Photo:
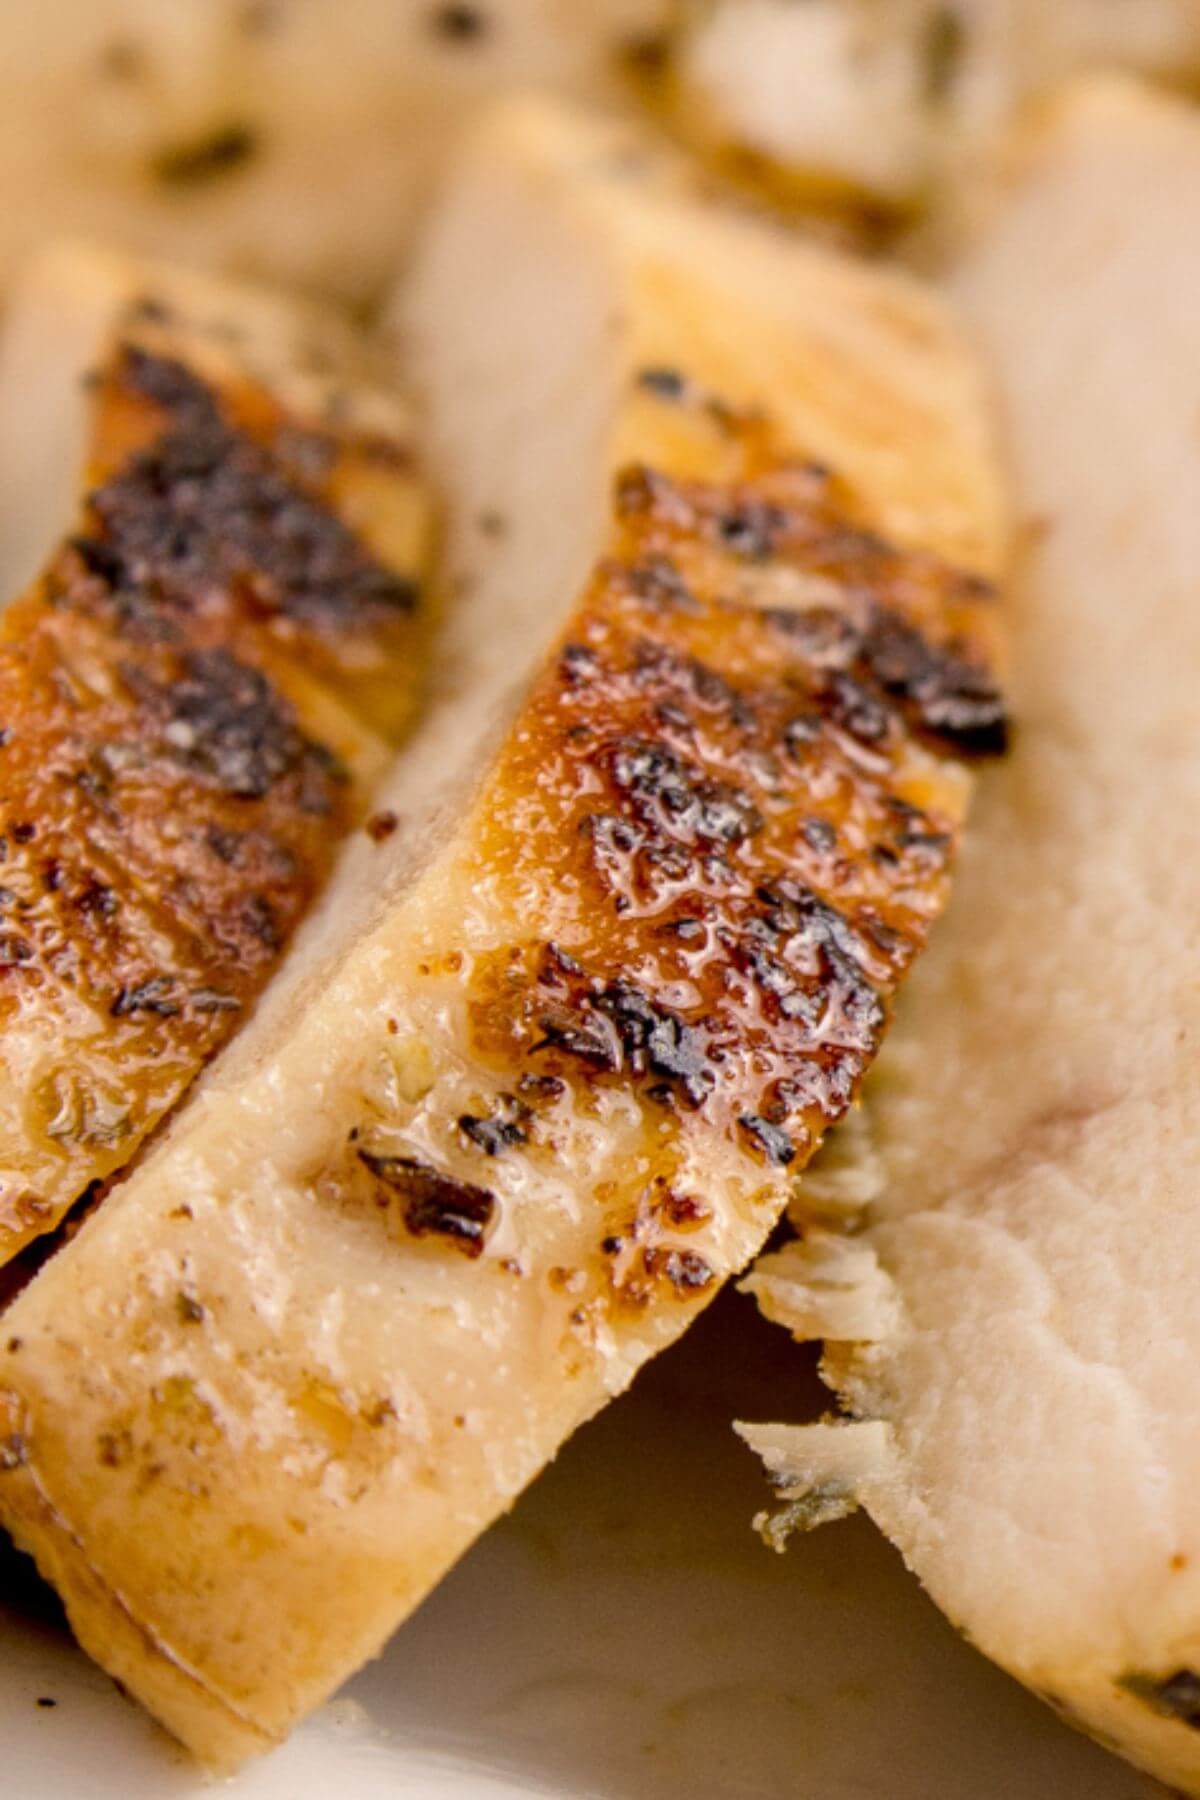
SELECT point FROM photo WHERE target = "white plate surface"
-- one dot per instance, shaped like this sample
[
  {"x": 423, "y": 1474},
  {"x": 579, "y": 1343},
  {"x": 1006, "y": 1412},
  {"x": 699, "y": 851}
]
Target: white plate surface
[{"x": 622, "y": 1636}]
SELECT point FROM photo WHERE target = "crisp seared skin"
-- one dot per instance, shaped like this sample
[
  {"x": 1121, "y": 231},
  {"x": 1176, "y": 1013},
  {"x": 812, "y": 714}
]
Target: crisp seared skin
[{"x": 177, "y": 757}]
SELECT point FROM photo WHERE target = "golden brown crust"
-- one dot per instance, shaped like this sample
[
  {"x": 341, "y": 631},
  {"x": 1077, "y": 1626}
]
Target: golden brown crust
[
  {"x": 567, "y": 1082},
  {"x": 731, "y": 803},
  {"x": 227, "y": 504},
  {"x": 717, "y": 787},
  {"x": 170, "y": 794}
]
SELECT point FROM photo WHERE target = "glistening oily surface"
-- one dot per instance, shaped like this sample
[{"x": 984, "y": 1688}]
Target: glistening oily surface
[
  {"x": 509, "y": 1139},
  {"x": 1034, "y": 1215},
  {"x": 179, "y": 752},
  {"x": 622, "y": 1636}
]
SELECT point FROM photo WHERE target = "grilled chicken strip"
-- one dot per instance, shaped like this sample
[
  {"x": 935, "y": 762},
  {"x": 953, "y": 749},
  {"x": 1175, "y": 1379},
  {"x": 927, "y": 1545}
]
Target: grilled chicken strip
[
  {"x": 291, "y": 139},
  {"x": 191, "y": 691},
  {"x": 725, "y": 514},
  {"x": 861, "y": 104},
  {"x": 1024, "y": 1299}
]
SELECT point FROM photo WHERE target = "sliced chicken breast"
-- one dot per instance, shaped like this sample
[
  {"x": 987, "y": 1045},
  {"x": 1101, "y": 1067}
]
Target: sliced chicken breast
[
  {"x": 861, "y": 102},
  {"x": 725, "y": 519},
  {"x": 1015, "y": 1331},
  {"x": 294, "y": 139},
  {"x": 189, "y": 689}
]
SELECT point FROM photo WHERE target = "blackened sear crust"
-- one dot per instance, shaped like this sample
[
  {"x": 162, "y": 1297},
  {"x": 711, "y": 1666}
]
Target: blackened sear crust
[
  {"x": 205, "y": 506},
  {"x": 616, "y": 1025},
  {"x": 675, "y": 792},
  {"x": 167, "y": 811},
  {"x": 503, "y": 1127},
  {"x": 771, "y": 1139},
  {"x": 224, "y": 719},
  {"x": 896, "y": 625},
  {"x": 433, "y": 1202},
  {"x": 949, "y": 696},
  {"x": 728, "y": 781},
  {"x": 1175, "y": 1696}
]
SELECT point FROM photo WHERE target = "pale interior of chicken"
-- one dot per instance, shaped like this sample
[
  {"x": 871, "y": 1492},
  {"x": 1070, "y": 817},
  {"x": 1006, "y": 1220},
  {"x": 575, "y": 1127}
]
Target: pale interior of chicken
[{"x": 1033, "y": 1247}]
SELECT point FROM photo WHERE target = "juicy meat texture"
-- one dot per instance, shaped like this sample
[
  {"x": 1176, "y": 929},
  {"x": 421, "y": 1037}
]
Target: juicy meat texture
[
  {"x": 1018, "y": 1335},
  {"x": 179, "y": 748},
  {"x": 505, "y": 1127}
]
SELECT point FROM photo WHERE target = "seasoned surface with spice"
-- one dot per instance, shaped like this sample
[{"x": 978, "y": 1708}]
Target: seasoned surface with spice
[
  {"x": 178, "y": 758},
  {"x": 640, "y": 892},
  {"x": 735, "y": 809}
]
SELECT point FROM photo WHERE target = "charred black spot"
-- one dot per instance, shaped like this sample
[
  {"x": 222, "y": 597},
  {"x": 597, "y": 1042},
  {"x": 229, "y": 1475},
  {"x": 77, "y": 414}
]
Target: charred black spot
[
  {"x": 223, "y": 719},
  {"x": 772, "y": 1140},
  {"x": 1177, "y": 1696},
  {"x": 557, "y": 962},
  {"x": 505, "y": 1127},
  {"x": 258, "y": 916},
  {"x": 688, "y": 931},
  {"x": 677, "y": 794},
  {"x": 433, "y": 1203},
  {"x": 205, "y": 159},
  {"x": 96, "y": 899},
  {"x": 14, "y": 950},
  {"x": 159, "y": 996},
  {"x": 945, "y": 695},
  {"x": 659, "y": 666},
  {"x": 657, "y": 581},
  {"x": 578, "y": 1034},
  {"x": 578, "y": 663},
  {"x": 542, "y": 1087},
  {"x": 656, "y": 1039},
  {"x": 790, "y": 907},
  {"x": 752, "y": 529},
  {"x": 617, "y": 1025},
  {"x": 668, "y": 384},
  {"x": 100, "y": 559},
  {"x": 823, "y": 635},
  {"x": 459, "y": 24},
  {"x": 206, "y": 507},
  {"x": 851, "y": 705}
]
